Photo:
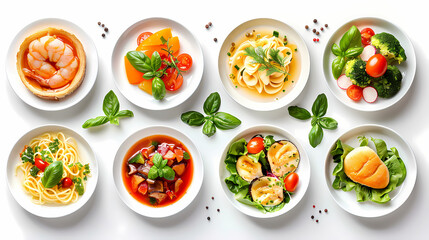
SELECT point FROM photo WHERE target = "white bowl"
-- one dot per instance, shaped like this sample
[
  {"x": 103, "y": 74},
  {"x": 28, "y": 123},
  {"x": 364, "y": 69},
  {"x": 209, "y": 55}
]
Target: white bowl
[
  {"x": 407, "y": 68},
  {"x": 182, "y": 203},
  {"x": 243, "y": 96},
  {"x": 128, "y": 42},
  {"x": 50, "y": 210},
  {"x": 303, "y": 170},
  {"x": 347, "y": 200},
  {"x": 90, "y": 72}
]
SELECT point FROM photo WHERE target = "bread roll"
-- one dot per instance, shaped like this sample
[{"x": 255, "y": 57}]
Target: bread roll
[{"x": 362, "y": 165}]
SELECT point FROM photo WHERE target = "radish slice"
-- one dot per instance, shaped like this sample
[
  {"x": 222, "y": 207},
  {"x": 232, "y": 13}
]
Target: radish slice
[
  {"x": 368, "y": 51},
  {"x": 370, "y": 94},
  {"x": 344, "y": 82}
]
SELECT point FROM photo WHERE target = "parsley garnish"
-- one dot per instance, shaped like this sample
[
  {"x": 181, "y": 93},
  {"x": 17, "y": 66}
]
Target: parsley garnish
[
  {"x": 275, "y": 63},
  {"x": 53, "y": 146}
]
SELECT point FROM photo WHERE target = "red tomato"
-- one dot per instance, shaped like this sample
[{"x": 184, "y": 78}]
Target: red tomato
[
  {"x": 376, "y": 65},
  {"x": 185, "y": 61},
  {"x": 143, "y": 37},
  {"x": 354, "y": 92},
  {"x": 366, "y": 35},
  {"x": 291, "y": 181},
  {"x": 40, "y": 164},
  {"x": 67, "y": 182},
  {"x": 255, "y": 145},
  {"x": 172, "y": 80}
]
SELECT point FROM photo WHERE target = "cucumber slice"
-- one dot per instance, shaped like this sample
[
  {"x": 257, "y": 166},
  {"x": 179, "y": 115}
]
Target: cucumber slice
[{"x": 138, "y": 158}]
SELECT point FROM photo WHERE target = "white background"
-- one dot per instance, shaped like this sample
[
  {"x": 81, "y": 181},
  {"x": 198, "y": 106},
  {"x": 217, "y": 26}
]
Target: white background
[{"x": 106, "y": 216}]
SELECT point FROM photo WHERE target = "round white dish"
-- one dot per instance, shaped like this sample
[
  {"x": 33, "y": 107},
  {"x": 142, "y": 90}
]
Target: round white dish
[
  {"x": 50, "y": 210},
  {"x": 244, "y": 96},
  {"x": 90, "y": 72},
  {"x": 182, "y": 203},
  {"x": 303, "y": 170},
  {"x": 128, "y": 42},
  {"x": 407, "y": 68},
  {"x": 347, "y": 200}
]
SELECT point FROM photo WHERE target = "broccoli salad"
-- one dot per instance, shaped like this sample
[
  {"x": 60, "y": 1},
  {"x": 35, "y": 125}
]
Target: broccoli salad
[{"x": 366, "y": 64}]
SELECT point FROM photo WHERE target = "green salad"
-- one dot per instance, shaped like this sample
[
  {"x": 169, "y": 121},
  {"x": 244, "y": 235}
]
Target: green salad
[{"x": 390, "y": 157}]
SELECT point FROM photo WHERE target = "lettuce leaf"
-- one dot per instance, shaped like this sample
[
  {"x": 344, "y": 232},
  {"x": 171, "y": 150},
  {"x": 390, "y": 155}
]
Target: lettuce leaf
[{"x": 394, "y": 163}]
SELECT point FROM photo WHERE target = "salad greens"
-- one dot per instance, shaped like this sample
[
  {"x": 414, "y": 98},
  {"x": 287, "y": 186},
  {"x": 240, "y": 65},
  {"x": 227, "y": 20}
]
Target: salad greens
[
  {"x": 111, "y": 110},
  {"x": 214, "y": 119},
  {"x": 390, "y": 157},
  {"x": 318, "y": 121},
  {"x": 238, "y": 185}
]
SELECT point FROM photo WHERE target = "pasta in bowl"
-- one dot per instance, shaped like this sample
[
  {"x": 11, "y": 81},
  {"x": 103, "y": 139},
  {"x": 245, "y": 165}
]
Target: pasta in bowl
[{"x": 264, "y": 64}]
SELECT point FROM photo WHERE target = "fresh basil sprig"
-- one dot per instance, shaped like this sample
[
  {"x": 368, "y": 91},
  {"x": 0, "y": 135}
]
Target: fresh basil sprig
[
  {"x": 111, "y": 109},
  {"x": 350, "y": 47},
  {"x": 318, "y": 121},
  {"x": 52, "y": 174},
  {"x": 214, "y": 119},
  {"x": 160, "y": 168}
]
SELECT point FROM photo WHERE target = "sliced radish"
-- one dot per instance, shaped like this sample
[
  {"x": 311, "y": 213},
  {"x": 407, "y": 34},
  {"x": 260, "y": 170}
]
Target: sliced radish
[
  {"x": 369, "y": 94},
  {"x": 344, "y": 82},
  {"x": 368, "y": 51}
]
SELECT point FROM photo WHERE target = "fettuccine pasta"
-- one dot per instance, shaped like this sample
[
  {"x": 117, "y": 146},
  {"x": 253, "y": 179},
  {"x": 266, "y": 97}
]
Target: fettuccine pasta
[{"x": 43, "y": 151}]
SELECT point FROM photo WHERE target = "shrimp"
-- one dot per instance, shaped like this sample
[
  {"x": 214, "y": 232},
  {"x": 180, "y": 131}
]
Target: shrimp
[{"x": 42, "y": 54}]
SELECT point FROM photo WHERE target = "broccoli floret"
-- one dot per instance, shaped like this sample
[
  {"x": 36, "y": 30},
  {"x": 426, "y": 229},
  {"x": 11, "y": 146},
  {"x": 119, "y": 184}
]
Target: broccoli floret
[
  {"x": 388, "y": 84},
  {"x": 355, "y": 70},
  {"x": 389, "y": 47}
]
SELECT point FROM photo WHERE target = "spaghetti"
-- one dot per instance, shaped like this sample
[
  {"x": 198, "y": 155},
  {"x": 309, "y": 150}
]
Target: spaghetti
[{"x": 47, "y": 149}]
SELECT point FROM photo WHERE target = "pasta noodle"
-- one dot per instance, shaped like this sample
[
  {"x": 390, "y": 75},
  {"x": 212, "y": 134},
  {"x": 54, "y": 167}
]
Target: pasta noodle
[
  {"x": 53, "y": 147},
  {"x": 248, "y": 73}
]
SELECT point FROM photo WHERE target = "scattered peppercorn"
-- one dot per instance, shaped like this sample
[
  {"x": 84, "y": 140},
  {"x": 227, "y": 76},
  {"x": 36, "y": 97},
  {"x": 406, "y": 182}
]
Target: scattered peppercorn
[
  {"x": 106, "y": 29},
  {"x": 312, "y": 217},
  {"x": 218, "y": 210},
  {"x": 321, "y": 29},
  {"x": 99, "y": 23},
  {"x": 208, "y": 218},
  {"x": 102, "y": 25},
  {"x": 306, "y": 26},
  {"x": 317, "y": 40},
  {"x": 320, "y": 211},
  {"x": 315, "y": 20},
  {"x": 326, "y": 25},
  {"x": 212, "y": 198},
  {"x": 314, "y": 206},
  {"x": 314, "y": 40},
  {"x": 314, "y": 30},
  {"x": 207, "y": 26},
  {"x": 317, "y": 33},
  {"x": 210, "y": 24},
  {"x": 326, "y": 210},
  {"x": 215, "y": 39},
  {"x": 317, "y": 221},
  {"x": 207, "y": 207},
  {"x": 103, "y": 35}
]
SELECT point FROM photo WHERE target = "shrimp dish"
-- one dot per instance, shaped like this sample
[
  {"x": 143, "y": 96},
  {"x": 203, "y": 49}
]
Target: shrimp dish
[{"x": 51, "y": 63}]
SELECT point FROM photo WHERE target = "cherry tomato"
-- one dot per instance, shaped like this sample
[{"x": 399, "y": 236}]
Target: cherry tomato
[
  {"x": 172, "y": 80},
  {"x": 143, "y": 37},
  {"x": 255, "y": 145},
  {"x": 354, "y": 92},
  {"x": 67, "y": 182},
  {"x": 40, "y": 164},
  {"x": 366, "y": 35},
  {"x": 291, "y": 181},
  {"x": 185, "y": 61},
  {"x": 376, "y": 65}
]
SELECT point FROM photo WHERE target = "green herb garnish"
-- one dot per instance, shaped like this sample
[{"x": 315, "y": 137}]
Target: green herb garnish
[
  {"x": 160, "y": 168},
  {"x": 272, "y": 63},
  {"x": 275, "y": 34}
]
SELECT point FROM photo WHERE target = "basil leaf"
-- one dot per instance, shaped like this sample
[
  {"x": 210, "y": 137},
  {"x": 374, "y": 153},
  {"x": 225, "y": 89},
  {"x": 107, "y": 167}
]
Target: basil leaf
[
  {"x": 353, "y": 52},
  {"x": 53, "y": 174},
  {"x": 34, "y": 171},
  {"x": 299, "y": 113},
  {"x": 314, "y": 120},
  {"x": 186, "y": 156},
  {"x": 320, "y": 105},
  {"x": 153, "y": 172},
  {"x": 328, "y": 123},
  {"x": 336, "y": 50},
  {"x": 149, "y": 75},
  {"x": 192, "y": 118},
  {"x": 209, "y": 128},
  {"x": 110, "y": 104},
  {"x": 225, "y": 121},
  {"x": 169, "y": 173},
  {"x": 157, "y": 159},
  {"x": 124, "y": 113},
  {"x": 337, "y": 66},
  {"x": 156, "y": 61},
  {"x": 114, "y": 121},
  {"x": 164, "y": 162},
  {"x": 351, "y": 38},
  {"x": 158, "y": 88},
  {"x": 212, "y": 103},
  {"x": 140, "y": 61},
  {"x": 95, "y": 121},
  {"x": 315, "y": 136}
]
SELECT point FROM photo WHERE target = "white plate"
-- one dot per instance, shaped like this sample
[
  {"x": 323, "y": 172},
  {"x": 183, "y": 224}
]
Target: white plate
[
  {"x": 347, "y": 200},
  {"x": 303, "y": 170},
  {"x": 90, "y": 72},
  {"x": 182, "y": 203},
  {"x": 407, "y": 68},
  {"x": 243, "y": 96},
  {"x": 50, "y": 210},
  {"x": 128, "y": 42}
]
